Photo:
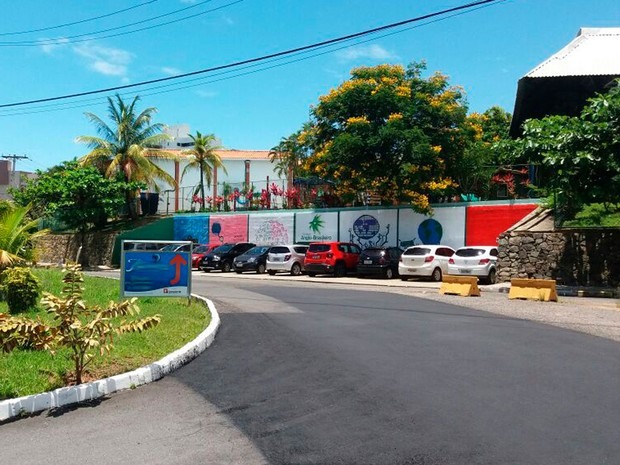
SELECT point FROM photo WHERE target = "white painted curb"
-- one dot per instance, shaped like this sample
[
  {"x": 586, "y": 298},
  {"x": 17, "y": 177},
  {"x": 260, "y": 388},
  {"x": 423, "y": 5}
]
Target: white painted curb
[{"x": 84, "y": 392}]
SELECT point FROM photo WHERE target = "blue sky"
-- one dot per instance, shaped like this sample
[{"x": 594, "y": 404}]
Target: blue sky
[{"x": 485, "y": 51}]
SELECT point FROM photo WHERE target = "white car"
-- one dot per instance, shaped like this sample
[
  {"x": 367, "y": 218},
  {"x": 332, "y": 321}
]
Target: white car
[
  {"x": 287, "y": 258},
  {"x": 475, "y": 261},
  {"x": 428, "y": 261}
]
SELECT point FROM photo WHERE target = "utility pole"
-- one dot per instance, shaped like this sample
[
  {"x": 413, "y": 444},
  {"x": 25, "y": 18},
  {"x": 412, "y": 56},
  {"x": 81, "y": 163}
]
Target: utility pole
[{"x": 15, "y": 158}]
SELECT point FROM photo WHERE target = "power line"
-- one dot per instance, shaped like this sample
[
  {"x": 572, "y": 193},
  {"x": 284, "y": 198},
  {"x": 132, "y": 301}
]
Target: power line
[
  {"x": 82, "y": 21},
  {"x": 262, "y": 58},
  {"x": 68, "y": 40},
  {"x": 15, "y": 158}
]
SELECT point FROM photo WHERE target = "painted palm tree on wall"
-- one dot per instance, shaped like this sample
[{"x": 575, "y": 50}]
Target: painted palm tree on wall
[
  {"x": 203, "y": 156},
  {"x": 129, "y": 146}
]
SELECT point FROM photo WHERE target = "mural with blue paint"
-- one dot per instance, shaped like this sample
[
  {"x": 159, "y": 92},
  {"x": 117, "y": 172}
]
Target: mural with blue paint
[
  {"x": 446, "y": 227},
  {"x": 370, "y": 228},
  {"x": 193, "y": 228}
]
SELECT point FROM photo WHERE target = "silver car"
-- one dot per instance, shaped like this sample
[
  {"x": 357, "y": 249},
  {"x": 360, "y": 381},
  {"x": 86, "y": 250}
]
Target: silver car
[
  {"x": 475, "y": 261},
  {"x": 286, "y": 258},
  {"x": 430, "y": 261}
]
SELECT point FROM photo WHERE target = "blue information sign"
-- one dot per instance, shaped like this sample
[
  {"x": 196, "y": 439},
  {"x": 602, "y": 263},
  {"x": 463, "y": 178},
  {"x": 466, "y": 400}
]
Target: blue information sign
[{"x": 160, "y": 273}]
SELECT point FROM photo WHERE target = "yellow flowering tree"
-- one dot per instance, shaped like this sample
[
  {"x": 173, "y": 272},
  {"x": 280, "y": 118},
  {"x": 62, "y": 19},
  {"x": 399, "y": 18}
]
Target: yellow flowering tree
[{"x": 390, "y": 131}]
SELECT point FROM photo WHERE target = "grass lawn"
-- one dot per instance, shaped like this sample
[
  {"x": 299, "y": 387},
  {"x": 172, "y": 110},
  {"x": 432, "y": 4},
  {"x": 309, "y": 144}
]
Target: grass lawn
[
  {"x": 24, "y": 372},
  {"x": 596, "y": 215}
]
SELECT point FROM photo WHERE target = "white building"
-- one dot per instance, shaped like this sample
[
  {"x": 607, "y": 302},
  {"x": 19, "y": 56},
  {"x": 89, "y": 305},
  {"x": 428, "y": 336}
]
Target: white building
[{"x": 243, "y": 167}]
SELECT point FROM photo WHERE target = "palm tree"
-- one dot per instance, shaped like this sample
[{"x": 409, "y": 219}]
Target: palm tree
[
  {"x": 128, "y": 146},
  {"x": 16, "y": 235},
  {"x": 204, "y": 157}
]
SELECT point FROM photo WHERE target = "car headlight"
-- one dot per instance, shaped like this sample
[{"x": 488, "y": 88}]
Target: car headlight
[{"x": 216, "y": 258}]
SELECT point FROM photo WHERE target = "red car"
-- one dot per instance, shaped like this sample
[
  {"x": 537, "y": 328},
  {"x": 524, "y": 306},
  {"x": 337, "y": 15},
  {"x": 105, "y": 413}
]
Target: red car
[
  {"x": 200, "y": 251},
  {"x": 335, "y": 258}
]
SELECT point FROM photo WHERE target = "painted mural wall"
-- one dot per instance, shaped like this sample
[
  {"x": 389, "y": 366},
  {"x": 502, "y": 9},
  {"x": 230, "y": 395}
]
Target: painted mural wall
[{"x": 453, "y": 226}]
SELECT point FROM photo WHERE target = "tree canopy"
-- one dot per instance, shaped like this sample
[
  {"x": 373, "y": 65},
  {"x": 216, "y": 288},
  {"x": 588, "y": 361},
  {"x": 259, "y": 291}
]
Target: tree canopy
[
  {"x": 78, "y": 196},
  {"x": 203, "y": 156},
  {"x": 394, "y": 133}
]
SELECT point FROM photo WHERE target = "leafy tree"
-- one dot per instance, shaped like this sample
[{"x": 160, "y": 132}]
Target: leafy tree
[
  {"x": 580, "y": 156},
  {"x": 84, "y": 330},
  {"x": 204, "y": 157},
  {"x": 79, "y": 196},
  {"x": 17, "y": 233},
  {"x": 291, "y": 152},
  {"x": 126, "y": 146},
  {"x": 389, "y": 131}
]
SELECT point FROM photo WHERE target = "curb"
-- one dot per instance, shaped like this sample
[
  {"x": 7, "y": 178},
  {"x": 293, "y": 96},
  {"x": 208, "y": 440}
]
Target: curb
[{"x": 61, "y": 397}]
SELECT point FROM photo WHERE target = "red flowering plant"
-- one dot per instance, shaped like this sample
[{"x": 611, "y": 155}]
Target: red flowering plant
[
  {"x": 293, "y": 199},
  {"x": 508, "y": 178},
  {"x": 264, "y": 198}
]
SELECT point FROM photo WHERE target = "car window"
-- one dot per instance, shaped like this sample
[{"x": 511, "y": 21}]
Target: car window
[
  {"x": 279, "y": 249},
  {"x": 354, "y": 249},
  {"x": 494, "y": 253},
  {"x": 223, "y": 248},
  {"x": 417, "y": 251},
  {"x": 469, "y": 252},
  {"x": 301, "y": 249},
  {"x": 201, "y": 249},
  {"x": 343, "y": 248},
  {"x": 319, "y": 248}
]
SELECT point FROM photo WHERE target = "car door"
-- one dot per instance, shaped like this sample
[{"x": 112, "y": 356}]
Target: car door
[
  {"x": 443, "y": 255},
  {"x": 353, "y": 254}
]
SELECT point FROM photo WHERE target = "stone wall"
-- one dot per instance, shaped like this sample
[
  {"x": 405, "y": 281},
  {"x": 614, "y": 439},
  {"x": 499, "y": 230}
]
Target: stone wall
[
  {"x": 97, "y": 248},
  {"x": 580, "y": 257}
]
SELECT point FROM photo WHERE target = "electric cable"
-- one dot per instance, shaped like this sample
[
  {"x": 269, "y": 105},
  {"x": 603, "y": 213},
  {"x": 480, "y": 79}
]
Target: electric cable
[{"x": 258, "y": 59}]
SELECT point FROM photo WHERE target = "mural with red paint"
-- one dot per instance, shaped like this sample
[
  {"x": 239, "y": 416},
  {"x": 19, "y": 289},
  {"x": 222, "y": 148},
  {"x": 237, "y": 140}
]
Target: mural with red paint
[{"x": 228, "y": 228}]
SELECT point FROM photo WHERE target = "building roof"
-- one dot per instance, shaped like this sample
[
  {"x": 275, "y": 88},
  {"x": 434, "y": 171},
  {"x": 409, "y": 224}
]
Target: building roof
[
  {"x": 594, "y": 52},
  {"x": 234, "y": 154},
  {"x": 562, "y": 84}
]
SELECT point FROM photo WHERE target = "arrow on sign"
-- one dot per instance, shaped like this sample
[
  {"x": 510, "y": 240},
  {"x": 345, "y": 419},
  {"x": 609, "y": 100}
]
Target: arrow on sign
[{"x": 177, "y": 261}]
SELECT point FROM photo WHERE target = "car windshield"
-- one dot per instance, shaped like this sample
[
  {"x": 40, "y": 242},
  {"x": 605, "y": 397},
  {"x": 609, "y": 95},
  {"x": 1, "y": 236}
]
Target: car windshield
[
  {"x": 374, "y": 252},
  {"x": 301, "y": 249},
  {"x": 223, "y": 248},
  {"x": 169, "y": 247},
  {"x": 470, "y": 252},
  {"x": 279, "y": 249},
  {"x": 417, "y": 251},
  {"x": 257, "y": 250},
  {"x": 319, "y": 247},
  {"x": 201, "y": 249}
]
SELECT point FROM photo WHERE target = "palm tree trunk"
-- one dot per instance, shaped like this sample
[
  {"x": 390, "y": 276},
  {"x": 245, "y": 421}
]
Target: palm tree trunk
[{"x": 202, "y": 189}]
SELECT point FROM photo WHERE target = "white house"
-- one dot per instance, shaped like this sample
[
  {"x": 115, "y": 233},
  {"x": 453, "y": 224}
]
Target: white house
[{"x": 243, "y": 167}]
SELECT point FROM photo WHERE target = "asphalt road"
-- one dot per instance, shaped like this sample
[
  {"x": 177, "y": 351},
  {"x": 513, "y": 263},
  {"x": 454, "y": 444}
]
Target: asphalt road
[{"x": 315, "y": 374}]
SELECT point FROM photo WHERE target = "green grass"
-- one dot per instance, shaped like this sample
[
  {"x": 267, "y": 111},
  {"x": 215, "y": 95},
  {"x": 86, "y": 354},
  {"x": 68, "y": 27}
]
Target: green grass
[
  {"x": 596, "y": 215},
  {"x": 24, "y": 372}
]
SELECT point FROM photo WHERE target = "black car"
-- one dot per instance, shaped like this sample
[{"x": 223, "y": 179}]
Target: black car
[
  {"x": 379, "y": 261},
  {"x": 221, "y": 258},
  {"x": 254, "y": 259}
]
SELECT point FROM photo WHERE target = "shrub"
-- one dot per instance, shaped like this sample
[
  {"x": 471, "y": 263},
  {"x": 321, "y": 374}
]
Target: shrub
[{"x": 20, "y": 288}]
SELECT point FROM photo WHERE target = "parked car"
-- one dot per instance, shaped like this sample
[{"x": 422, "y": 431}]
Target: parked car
[
  {"x": 221, "y": 258},
  {"x": 176, "y": 248},
  {"x": 148, "y": 246},
  {"x": 382, "y": 261},
  {"x": 475, "y": 261},
  {"x": 254, "y": 259},
  {"x": 335, "y": 258},
  {"x": 429, "y": 261},
  {"x": 287, "y": 258},
  {"x": 200, "y": 251}
]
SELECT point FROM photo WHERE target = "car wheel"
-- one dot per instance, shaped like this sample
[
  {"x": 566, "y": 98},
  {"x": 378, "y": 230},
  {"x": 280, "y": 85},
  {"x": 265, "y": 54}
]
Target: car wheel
[
  {"x": 340, "y": 270},
  {"x": 238, "y": 272},
  {"x": 296, "y": 269},
  {"x": 492, "y": 277},
  {"x": 260, "y": 269},
  {"x": 436, "y": 276},
  {"x": 225, "y": 267},
  {"x": 389, "y": 273},
  {"x": 207, "y": 271},
  {"x": 271, "y": 272},
  {"x": 311, "y": 274}
]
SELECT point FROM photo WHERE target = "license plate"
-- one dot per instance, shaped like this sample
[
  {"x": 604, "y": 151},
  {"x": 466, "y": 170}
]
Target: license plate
[
  {"x": 367, "y": 262},
  {"x": 412, "y": 269},
  {"x": 316, "y": 257},
  {"x": 461, "y": 270},
  {"x": 277, "y": 259}
]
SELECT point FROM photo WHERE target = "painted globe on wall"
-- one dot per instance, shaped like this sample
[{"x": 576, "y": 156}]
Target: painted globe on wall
[
  {"x": 366, "y": 227},
  {"x": 430, "y": 232}
]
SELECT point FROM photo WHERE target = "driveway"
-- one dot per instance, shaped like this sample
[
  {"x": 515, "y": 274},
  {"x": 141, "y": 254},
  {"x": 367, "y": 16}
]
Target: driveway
[{"x": 307, "y": 373}]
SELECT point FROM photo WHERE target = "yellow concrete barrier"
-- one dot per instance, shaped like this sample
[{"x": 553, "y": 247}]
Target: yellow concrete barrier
[
  {"x": 533, "y": 289},
  {"x": 467, "y": 286}
]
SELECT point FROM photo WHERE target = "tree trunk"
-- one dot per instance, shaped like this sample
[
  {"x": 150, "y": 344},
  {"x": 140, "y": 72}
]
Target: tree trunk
[{"x": 202, "y": 189}]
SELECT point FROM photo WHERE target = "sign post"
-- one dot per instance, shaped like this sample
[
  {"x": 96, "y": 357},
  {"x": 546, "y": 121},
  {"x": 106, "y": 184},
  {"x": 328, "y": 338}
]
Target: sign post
[{"x": 156, "y": 269}]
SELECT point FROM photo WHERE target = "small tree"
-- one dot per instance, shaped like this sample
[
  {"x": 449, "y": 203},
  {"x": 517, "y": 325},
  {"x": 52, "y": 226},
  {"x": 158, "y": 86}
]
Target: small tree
[{"x": 84, "y": 330}]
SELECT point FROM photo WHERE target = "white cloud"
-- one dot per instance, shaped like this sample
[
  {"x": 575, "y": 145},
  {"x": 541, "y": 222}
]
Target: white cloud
[
  {"x": 48, "y": 46},
  {"x": 374, "y": 52},
  {"x": 170, "y": 71},
  {"x": 105, "y": 60}
]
